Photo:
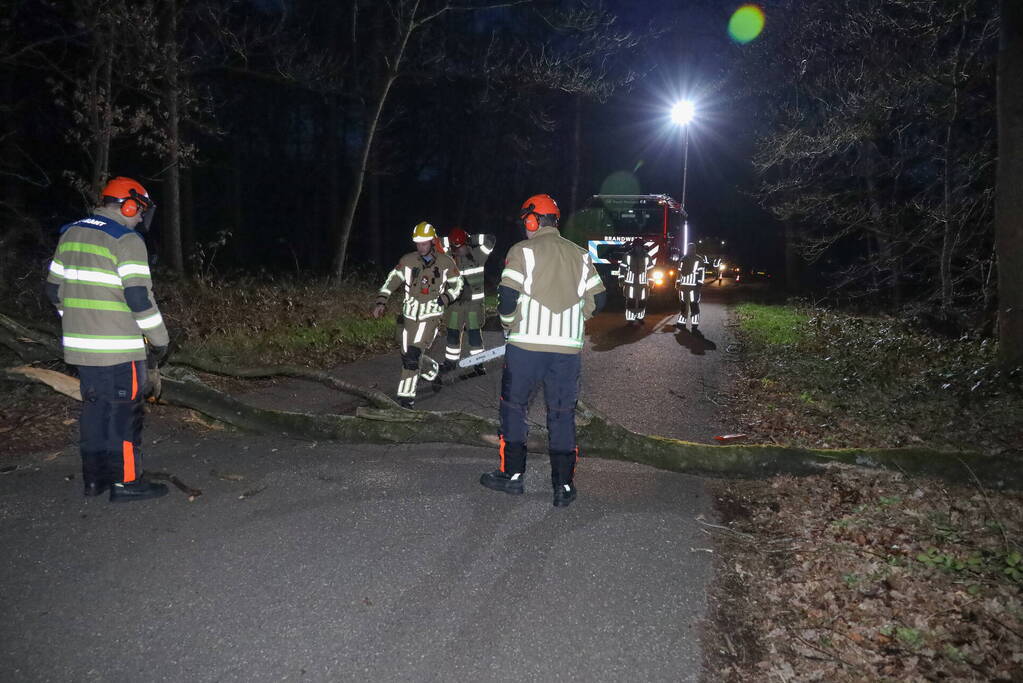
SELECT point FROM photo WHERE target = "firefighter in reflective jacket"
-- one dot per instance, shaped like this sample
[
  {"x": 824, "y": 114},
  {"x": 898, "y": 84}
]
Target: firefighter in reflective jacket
[
  {"x": 470, "y": 254},
  {"x": 548, "y": 289},
  {"x": 99, "y": 281},
  {"x": 431, "y": 282},
  {"x": 632, "y": 271},
  {"x": 691, "y": 272}
]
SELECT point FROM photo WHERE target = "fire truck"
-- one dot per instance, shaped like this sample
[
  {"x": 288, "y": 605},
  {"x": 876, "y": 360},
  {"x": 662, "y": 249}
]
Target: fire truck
[{"x": 608, "y": 223}]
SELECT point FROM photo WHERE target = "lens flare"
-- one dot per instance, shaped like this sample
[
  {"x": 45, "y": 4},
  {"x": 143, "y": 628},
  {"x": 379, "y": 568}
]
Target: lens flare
[{"x": 746, "y": 24}]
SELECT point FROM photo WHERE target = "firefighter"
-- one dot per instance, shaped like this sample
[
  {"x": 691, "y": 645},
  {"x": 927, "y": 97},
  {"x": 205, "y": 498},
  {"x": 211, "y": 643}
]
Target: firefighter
[
  {"x": 691, "y": 272},
  {"x": 431, "y": 282},
  {"x": 470, "y": 254},
  {"x": 100, "y": 284},
  {"x": 633, "y": 274},
  {"x": 548, "y": 289}
]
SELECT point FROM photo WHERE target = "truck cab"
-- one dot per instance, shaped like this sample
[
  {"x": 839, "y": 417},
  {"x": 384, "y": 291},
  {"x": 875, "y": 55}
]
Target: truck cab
[{"x": 608, "y": 224}]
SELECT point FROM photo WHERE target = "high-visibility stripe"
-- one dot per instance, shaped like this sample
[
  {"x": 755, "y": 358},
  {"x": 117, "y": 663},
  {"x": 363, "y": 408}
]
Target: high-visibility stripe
[
  {"x": 501, "y": 452},
  {"x": 96, "y": 305},
  {"x": 485, "y": 249},
  {"x": 548, "y": 341},
  {"x": 93, "y": 276},
  {"x": 419, "y": 333},
  {"x": 128, "y": 456},
  {"x": 150, "y": 322},
  {"x": 86, "y": 248},
  {"x": 472, "y": 271},
  {"x": 134, "y": 381},
  {"x": 97, "y": 343},
  {"x": 508, "y": 319},
  {"x": 56, "y": 268},
  {"x": 592, "y": 282},
  {"x": 478, "y": 295},
  {"x": 129, "y": 268},
  {"x": 527, "y": 254},
  {"x": 513, "y": 275}
]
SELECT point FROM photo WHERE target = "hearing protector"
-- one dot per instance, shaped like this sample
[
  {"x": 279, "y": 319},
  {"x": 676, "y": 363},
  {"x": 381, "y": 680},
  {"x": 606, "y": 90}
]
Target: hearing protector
[{"x": 532, "y": 221}]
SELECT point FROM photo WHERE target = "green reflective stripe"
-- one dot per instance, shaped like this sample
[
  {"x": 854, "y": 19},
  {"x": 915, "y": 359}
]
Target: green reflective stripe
[
  {"x": 96, "y": 305},
  {"x": 133, "y": 263},
  {"x": 90, "y": 283},
  {"x": 86, "y": 248}
]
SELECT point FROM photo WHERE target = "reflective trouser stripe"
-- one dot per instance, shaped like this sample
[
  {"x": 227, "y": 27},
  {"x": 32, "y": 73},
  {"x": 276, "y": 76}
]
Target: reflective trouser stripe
[{"x": 128, "y": 454}]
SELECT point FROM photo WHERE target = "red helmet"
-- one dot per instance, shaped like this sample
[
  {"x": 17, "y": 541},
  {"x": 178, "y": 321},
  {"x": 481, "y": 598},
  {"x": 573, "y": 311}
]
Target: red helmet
[
  {"x": 536, "y": 206},
  {"x": 129, "y": 193},
  {"x": 457, "y": 237}
]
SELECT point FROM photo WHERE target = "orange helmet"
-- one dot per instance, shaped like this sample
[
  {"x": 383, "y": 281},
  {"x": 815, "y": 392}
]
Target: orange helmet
[
  {"x": 132, "y": 197},
  {"x": 457, "y": 237},
  {"x": 536, "y": 206}
]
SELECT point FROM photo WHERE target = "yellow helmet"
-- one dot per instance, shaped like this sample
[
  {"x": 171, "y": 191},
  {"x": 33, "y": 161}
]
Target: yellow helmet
[{"x": 423, "y": 232}]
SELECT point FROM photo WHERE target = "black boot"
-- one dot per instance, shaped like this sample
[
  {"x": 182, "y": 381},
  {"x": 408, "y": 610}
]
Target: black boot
[
  {"x": 448, "y": 365},
  {"x": 406, "y": 402},
  {"x": 510, "y": 478},
  {"x": 139, "y": 489},
  {"x": 503, "y": 481},
  {"x": 94, "y": 474},
  {"x": 562, "y": 474}
]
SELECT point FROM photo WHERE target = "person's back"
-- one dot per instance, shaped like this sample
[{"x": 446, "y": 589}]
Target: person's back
[{"x": 557, "y": 282}]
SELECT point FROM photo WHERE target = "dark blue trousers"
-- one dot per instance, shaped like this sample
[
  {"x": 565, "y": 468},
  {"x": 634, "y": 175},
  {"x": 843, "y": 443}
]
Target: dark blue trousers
[
  {"x": 524, "y": 372},
  {"x": 110, "y": 426}
]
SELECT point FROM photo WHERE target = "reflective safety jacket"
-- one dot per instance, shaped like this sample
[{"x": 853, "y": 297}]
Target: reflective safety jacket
[
  {"x": 429, "y": 285},
  {"x": 471, "y": 265},
  {"x": 692, "y": 270},
  {"x": 633, "y": 269},
  {"x": 100, "y": 283},
  {"x": 557, "y": 283}
]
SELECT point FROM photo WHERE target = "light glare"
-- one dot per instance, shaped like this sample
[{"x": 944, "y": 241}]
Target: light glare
[{"x": 682, "y": 113}]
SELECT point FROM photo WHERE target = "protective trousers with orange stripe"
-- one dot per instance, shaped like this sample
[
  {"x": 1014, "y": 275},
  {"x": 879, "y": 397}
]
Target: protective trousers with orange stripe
[
  {"x": 111, "y": 422},
  {"x": 524, "y": 372}
]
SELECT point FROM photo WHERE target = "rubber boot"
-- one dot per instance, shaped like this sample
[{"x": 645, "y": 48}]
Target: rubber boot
[
  {"x": 562, "y": 475},
  {"x": 510, "y": 478}
]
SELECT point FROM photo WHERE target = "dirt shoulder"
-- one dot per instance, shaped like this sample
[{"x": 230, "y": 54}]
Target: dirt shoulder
[{"x": 854, "y": 574}]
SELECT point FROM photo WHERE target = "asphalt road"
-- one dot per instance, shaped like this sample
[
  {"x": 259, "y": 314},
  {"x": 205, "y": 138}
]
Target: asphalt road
[{"x": 322, "y": 562}]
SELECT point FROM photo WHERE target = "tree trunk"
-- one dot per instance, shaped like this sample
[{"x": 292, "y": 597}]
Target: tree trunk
[
  {"x": 171, "y": 228},
  {"x": 340, "y": 246},
  {"x": 102, "y": 120},
  {"x": 385, "y": 423},
  {"x": 1009, "y": 198},
  {"x": 577, "y": 153}
]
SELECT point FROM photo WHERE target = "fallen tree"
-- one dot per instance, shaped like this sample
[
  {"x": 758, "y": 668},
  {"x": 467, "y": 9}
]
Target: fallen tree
[{"x": 383, "y": 422}]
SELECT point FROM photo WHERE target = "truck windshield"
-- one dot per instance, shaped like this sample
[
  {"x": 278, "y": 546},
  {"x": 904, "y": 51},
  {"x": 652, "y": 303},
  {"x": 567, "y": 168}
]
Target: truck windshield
[{"x": 624, "y": 218}]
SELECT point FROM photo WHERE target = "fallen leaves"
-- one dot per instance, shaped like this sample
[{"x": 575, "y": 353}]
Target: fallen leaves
[{"x": 831, "y": 587}]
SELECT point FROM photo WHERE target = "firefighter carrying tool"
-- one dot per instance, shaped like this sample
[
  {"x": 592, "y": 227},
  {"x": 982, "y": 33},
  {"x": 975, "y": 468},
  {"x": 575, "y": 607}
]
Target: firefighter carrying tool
[
  {"x": 632, "y": 271},
  {"x": 470, "y": 253},
  {"x": 548, "y": 289},
  {"x": 691, "y": 272},
  {"x": 431, "y": 282},
  {"x": 100, "y": 284}
]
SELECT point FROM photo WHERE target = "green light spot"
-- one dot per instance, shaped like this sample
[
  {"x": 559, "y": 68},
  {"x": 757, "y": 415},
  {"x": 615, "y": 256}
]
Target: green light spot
[{"x": 746, "y": 24}]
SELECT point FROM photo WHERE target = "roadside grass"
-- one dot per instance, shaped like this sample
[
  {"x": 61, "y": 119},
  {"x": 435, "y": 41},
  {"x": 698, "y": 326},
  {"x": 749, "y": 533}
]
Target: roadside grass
[
  {"x": 822, "y": 378},
  {"x": 265, "y": 321}
]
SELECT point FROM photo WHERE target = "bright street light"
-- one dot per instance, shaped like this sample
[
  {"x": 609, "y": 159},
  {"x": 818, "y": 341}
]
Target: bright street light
[{"x": 682, "y": 113}]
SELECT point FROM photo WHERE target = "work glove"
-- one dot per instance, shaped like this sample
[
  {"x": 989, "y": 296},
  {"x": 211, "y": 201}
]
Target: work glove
[
  {"x": 155, "y": 356},
  {"x": 378, "y": 310}
]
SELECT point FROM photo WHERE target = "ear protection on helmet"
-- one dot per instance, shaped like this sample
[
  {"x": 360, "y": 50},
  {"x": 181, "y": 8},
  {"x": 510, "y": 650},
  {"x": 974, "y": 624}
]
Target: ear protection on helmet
[
  {"x": 129, "y": 207},
  {"x": 532, "y": 221}
]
